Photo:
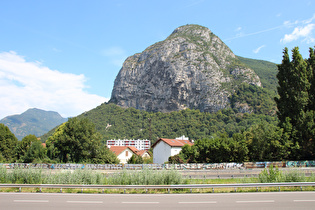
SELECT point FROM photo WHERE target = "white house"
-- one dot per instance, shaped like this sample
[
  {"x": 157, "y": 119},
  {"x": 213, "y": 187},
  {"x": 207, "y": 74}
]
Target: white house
[
  {"x": 123, "y": 153},
  {"x": 164, "y": 148}
]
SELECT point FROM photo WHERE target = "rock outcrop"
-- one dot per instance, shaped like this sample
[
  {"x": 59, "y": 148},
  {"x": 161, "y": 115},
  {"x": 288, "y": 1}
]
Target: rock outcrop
[{"x": 192, "y": 68}]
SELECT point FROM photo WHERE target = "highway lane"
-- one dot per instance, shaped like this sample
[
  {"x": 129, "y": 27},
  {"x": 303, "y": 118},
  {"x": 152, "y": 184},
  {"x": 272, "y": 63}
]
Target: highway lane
[{"x": 258, "y": 200}]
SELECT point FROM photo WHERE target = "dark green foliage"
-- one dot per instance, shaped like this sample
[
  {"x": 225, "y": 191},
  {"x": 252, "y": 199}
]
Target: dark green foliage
[
  {"x": 175, "y": 159},
  {"x": 135, "y": 159},
  {"x": 24, "y": 145},
  {"x": 77, "y": 141},
  {"x": 114, "y": 122},
  {"x": 8, "y": 143},
  {"x": 266, "y": 71},
  {"x": 261, "y": 142},
  {"x": 218, "y": 150},
  {"x": 268, "y": 142},
  {"x": 35, "y": 153},
  {"x": 311, "y": 70},
  {"x": 256, "y": 98},
  {"x": 295, "y": 101}
]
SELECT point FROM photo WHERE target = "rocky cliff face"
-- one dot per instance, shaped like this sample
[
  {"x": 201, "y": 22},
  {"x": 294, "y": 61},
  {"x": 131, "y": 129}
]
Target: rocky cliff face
[{"x": 192, "y": 68}]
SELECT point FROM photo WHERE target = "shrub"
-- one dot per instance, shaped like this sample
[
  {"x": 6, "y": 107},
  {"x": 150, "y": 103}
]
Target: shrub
[{"x": 275, "y": 175}]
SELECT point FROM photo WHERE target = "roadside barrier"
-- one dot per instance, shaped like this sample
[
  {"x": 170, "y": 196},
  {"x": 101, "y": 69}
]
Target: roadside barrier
[
  {"x": 168, "y": 187},
  {"x": 186, "y": 166}
]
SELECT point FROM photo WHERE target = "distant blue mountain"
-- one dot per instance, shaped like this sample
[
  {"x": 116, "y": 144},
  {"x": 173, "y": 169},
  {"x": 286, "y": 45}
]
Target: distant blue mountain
[{"x": 33, "y": 121}]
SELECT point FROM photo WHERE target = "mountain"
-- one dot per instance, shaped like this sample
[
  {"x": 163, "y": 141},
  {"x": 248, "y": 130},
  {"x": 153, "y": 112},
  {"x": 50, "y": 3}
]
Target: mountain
[
  {"x": 192, "y": 68},
  {"x": 266, "y": 71},
  {"x": 33, "y": 121},
  {"x": 250, "y": 96}
]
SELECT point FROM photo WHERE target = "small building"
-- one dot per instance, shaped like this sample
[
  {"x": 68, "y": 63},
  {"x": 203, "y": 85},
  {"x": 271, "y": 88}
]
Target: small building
[
  {"x": 123, "y": 153},
  {"x": 164, "y": 148},
  {"x": 137, "y": 143},
  {"x": 143, "y": 153}
]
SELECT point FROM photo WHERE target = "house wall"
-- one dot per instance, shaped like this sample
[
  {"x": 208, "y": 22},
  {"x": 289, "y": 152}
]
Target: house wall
[
  {"x": 122, "y": 156},
  {"x": 175, "y": 150},
  {"x": 161, "y": 152}
]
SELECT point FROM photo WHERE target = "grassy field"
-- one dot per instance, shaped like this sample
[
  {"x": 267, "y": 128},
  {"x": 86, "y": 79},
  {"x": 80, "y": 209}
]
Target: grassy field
[{"x": 141, "y": 177}]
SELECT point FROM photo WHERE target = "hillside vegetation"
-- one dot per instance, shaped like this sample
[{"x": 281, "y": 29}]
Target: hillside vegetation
[{"x": 114, "y": 122}]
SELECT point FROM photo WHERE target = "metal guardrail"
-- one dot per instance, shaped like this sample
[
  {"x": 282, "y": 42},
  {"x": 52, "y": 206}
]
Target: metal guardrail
[{"x": 168, "y": 187}]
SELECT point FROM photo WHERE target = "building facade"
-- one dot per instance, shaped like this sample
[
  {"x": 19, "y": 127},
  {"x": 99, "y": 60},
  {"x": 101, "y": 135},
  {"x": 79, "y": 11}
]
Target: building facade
[
  {"x": 139, "y": 144},
  {"x": 164, "y": 148}
]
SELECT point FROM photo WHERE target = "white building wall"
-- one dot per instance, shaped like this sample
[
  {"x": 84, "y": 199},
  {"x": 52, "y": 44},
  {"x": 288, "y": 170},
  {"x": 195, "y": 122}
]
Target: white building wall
[
  {"x": 123, "y": 157},
  {"x": 137, "y": 143},
  {"x": 161, "y": 152},
  {"x": 175, "y": 150}
]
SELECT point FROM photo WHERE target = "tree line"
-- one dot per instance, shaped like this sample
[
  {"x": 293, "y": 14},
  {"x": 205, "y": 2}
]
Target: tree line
[
  {"x": 293, "y": 136},
  {"x": 75, "y": 141}
]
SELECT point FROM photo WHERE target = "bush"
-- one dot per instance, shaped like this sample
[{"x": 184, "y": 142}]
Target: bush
[
  {"x": 275, "y": 175},
  {"x": 271, "y": 175},
  {"x": 84, "y": 176},
  {"x": 24, "y": 176},
  {"x": 146, "y": 177}
]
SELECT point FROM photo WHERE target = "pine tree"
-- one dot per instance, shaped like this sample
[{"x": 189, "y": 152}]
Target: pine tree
[
  {"x": 295, "y": 100},
  {"x": 284, "y": 80},
  {"x": 311, "y": 69}
]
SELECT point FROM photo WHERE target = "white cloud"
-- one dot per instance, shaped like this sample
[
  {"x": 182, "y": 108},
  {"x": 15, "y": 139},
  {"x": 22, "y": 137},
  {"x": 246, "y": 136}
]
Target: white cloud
[
  {"x": 258, "y": 49},
  {"x": 238, "y": 29},
  {"x": 304, "y": 32},
  {"x": 26, "y": 85}
]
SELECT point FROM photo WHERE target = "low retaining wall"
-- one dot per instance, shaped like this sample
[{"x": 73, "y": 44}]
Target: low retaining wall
[{"x": 187, "y": 166}]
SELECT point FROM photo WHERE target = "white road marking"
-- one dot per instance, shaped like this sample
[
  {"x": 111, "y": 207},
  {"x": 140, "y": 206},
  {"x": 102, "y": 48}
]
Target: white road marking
[
  {"x": 31, "y": 201},
  {"x": 303, "y": 200},
  {"x": 140, "y": 202},
  {"x": 89, "y": 202},
  {"x": 198, "y": 202},
  {"x": 258, "y": 201}
]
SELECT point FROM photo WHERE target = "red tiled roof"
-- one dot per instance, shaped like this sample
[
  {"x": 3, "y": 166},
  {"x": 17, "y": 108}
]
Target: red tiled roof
[
  {"x": 141, "y": 152},
  {"x": 119, "y": 149},
  {"x": 135, "y": 150},
  {"x": 174, "y": 142}
]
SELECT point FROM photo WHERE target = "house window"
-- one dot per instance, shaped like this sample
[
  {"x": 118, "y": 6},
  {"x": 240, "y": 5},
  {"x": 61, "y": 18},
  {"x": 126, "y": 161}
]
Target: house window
[{"x": 126, "y": 153}]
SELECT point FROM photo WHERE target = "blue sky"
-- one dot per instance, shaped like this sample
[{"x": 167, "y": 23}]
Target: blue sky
[{"x": 64, "y": 55}]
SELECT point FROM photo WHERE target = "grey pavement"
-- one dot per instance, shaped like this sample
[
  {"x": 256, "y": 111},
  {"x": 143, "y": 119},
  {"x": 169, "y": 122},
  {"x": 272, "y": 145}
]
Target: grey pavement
[{"x": 258, "y": 200}]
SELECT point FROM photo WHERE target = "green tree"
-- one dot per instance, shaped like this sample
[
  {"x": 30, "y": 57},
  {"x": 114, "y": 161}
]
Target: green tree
[
  {"x": 189, "y": 154},
  {"x": 35, "y": 153},
  {"x": 104, "y": 155},
  {"x": 135, "y": 159},
  {"x": 284, "y": 90},
  {"x": 76, "y": 141},
  {"x": 267, "y": 142},
  {"x": 295, "y": 100},
  {"x": 311, "y": 70},
  {"x": 24, "y": 145},
  {"x": 175, "y": 159},
  {"x": 8, "y": 143}
]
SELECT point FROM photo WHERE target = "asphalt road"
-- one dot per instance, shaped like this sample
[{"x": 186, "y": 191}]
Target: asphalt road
[{"x": 268, "y": 200}]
